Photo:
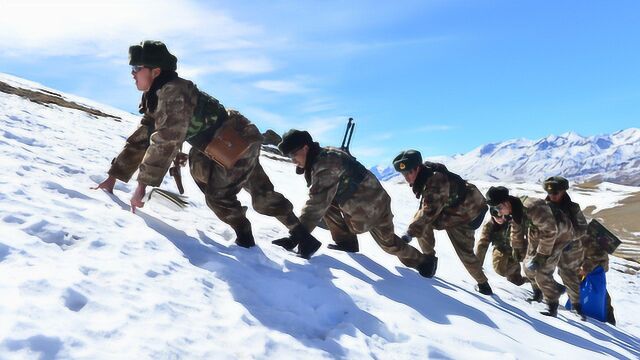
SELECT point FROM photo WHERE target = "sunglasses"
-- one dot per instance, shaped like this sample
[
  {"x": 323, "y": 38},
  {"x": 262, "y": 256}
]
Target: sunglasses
[
  {"x": 136, "y": 68},
  {"x": 495, "y": 210},
  {"x": 554, "y": 193},
  {"x": 292, "y": 154}
]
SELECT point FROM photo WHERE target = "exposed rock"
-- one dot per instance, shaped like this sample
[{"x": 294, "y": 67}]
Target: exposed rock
[
  {"x": 45, "y": 97},
  {"x": 271, "y": 138}
]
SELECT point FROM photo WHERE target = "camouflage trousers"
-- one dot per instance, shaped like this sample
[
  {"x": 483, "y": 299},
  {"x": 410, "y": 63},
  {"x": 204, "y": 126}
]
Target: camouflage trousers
[
  {"x": 568, "y": 269},
  {"x": 567, "y": 259},
  {"x": 463, "y": 238},
  {"x": 505, "y": 265},
  {"x": 382, "y": 232},
  {"x": 221, "y": 186}
]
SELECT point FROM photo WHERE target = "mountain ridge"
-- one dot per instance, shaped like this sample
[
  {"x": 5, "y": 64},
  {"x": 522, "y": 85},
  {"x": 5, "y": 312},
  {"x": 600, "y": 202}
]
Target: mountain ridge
[{"x": 611, "y": 157}]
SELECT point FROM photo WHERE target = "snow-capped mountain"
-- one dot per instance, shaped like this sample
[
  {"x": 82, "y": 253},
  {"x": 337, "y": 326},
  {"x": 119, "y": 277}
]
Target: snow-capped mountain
[
  {"x": 614, "y": 158},
  {"x": 81, "y": 277},
  {"x": 384, "y": 173}
]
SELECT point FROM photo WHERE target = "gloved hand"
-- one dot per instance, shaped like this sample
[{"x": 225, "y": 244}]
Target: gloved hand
[
  {"x": 517, "y": 254},
  {"x": 537, "y": 262},
  {"x": 406, "y": 238}
]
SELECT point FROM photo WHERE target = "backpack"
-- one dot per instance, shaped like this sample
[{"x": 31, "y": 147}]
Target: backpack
[
  {"x": 351, "y": 178},
  {"x": 457, "y": 185}
]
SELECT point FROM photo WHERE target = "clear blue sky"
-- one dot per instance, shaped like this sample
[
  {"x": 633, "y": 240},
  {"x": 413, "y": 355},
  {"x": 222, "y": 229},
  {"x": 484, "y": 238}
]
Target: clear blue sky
[{"x": 439, "y": 76}]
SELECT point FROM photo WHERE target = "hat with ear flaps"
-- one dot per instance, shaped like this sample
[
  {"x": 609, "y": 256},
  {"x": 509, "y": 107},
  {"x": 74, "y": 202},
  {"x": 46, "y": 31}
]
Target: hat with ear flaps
[
  {"x": 407, "y": 160},
  {"x": 497, "y": 195},
  {"x": 293, "y": 140},
  {"x": 555, "y": 184},
  {"x": 152, "y": 54}
]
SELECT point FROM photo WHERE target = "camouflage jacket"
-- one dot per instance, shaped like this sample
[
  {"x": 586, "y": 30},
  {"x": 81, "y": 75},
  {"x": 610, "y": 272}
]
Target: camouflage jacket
[
  {"x": 326, "y": 172},
  {"x": 575, "y": 215},
  {"x": 543, "y": 227},
  {"x": 154, "y": 144},
  {"x": 496, "y": 234},
  {"x": 434, "y": 209},
  {"x": 594, "y": 254}
]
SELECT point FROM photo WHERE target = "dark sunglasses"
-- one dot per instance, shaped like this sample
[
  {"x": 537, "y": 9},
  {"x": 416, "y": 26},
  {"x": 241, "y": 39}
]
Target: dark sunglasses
[
  {"x": 136, "y": 68},
  {"x": 494, "y": 212},
  {"x": 554, "y": 193},
  {"x": 292, "y": 154}
]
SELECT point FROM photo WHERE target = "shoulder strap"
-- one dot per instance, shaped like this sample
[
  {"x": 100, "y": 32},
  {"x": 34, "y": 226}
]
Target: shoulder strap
[
  {"x": 353, "y": 175},
  {"x": 457, "y": 185}
]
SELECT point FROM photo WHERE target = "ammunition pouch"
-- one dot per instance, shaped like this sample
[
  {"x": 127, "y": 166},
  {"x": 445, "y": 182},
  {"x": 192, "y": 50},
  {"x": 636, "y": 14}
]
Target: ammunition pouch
[{"x": 227, "y": 145}]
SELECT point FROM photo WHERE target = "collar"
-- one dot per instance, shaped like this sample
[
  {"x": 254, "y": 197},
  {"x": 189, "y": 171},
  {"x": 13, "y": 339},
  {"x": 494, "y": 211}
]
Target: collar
[{"x": 149, "y": 100}]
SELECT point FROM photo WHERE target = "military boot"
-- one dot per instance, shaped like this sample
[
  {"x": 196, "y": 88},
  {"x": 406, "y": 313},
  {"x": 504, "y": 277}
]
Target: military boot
[
  {"x": 578, "y": 308},
  {"x": 552, "y": 310},
  {"x": 517, "y": 279},
  {"x": 561, "y": 288},
  {"x": 611, "y": 319},
  {"x": 346, "y": 246},
  {"x": 484, "y": 288},
  {"x": 286, "y": 242},
  {"x": 537, "y": 296},
  {"x": 244, "y": 237}
]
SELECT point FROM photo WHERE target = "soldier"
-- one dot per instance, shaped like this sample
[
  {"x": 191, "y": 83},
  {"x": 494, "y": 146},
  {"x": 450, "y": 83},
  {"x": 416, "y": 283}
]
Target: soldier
[
  {"x": 573, "y": 255},
  {"x": 584, "y": 253},
  {"x": 595, "y": 255},
  {"x": 496, "y": 232},
  {"x": 547, "y": 231},
  {"x": 169, "y": 106},
  {"x": 447, "y": 203},
  {"x": 348, "y": 197}
]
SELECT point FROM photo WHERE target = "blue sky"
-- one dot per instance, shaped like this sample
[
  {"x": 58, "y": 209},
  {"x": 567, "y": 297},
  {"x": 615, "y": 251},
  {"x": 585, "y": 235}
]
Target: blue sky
[{"x": 440, "y": 76}]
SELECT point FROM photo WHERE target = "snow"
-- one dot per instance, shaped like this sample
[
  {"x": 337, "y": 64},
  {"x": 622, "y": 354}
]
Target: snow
[{"x": 84, "y": 278}]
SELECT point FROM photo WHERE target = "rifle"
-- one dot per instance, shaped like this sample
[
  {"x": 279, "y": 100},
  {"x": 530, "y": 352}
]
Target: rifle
[
  {"x": 178, "y": 162},
  {"x": 348, "y": 133},
  {"x": 346, "y": 141}
]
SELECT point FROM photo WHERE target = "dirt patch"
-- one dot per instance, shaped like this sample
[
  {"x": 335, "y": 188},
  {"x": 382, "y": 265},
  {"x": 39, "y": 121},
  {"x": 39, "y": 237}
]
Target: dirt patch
[
  {"x": 589, "y": 185},
  {"x": 623, "y": 221},
  {"x": 44, "y": 97}
]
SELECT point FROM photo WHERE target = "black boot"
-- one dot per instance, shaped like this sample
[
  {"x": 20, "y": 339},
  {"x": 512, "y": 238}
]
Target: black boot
[
  {"x": 517, "y": 279},
  {"x": 578, "y": 308},
  {"x": 484, "y": 288},
  {"x": 307, "y": 243},
  {"x": 611, "y": 319},
  {"x": 552, "y": 310},
  {"x": 287, "y": 242},
  {"x": 537, "y": 296},
  {"x": 561, "y": 288},
  {"x": 428, "y": 267},
  {"x": 351, "y": 246},
  {"x": 244, "y": 238}
]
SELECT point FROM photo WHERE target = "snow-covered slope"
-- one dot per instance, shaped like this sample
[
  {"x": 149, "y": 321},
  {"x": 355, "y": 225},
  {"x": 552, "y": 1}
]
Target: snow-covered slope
[
  {"x": 614, "y": 158},
  {"x": 81, "y": 277}
]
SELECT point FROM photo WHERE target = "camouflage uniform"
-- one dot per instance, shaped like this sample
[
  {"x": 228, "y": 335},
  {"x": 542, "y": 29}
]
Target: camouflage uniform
[
  {"x": 548, "y": 232},
  {"x": 366, "y": 207},
  {"x": 436, "y": 214},
  {"x": 155, "y": 143},
  {"x": 595, "y": 255},
  {"x": 573, "y": 255},
  {"x": 503, "y": 262},
  {"x": 587, "y": 255}
]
